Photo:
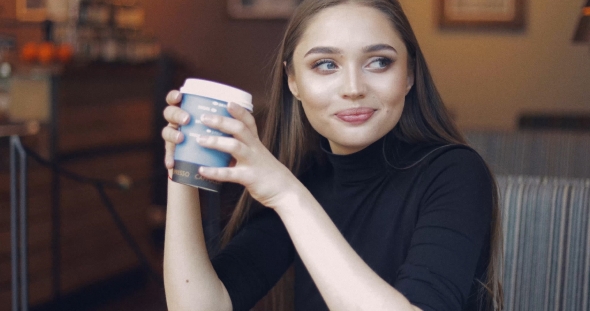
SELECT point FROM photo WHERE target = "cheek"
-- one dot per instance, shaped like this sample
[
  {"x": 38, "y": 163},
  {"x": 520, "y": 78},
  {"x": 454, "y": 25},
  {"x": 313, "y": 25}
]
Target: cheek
[
  {"x": 395, "y": 108},
  {"x": 316, "y": 108},
  {"x": 314, "y": 118},
  {"x": 394, "y": 84},
  {"x": 314, "y": 95},
  {"x": 392, "y": 95},
  {"x": 394, "y": 112},
  {"x": 314, "y": 112}
]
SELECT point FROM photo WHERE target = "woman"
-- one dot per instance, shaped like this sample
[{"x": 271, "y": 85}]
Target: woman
[{"x": 361, "y": 181}]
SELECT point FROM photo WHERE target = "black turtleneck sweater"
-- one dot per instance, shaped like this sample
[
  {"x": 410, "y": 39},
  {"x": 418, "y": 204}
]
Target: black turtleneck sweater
[{"x": 418, "y": 215}]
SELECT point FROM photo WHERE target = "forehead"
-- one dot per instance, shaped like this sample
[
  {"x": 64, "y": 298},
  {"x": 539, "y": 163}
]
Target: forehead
[{"x": 350, "y": 24}]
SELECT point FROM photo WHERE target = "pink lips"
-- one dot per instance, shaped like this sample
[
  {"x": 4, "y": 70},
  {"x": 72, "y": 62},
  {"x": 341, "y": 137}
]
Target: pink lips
[{"x": 355, "y": 115}]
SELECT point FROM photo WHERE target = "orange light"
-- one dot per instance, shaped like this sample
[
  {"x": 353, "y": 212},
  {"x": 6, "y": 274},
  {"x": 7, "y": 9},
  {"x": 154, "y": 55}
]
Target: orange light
[
  {"x": 586, "y": 11},
  {"x": 64, "y": 53},
  {"x": 29, "y": 51},
  {"x": 46, "y": 53}
]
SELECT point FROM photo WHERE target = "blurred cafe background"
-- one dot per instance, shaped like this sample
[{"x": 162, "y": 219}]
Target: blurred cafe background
[{"x": 83, "y": 82}]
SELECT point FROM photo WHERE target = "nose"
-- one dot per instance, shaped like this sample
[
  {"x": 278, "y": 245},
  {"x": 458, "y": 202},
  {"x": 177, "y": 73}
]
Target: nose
[{"x": 353, "y": 85}]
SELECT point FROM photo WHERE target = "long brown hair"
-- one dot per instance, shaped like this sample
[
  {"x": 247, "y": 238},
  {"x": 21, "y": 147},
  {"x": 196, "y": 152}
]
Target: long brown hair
[{"x": 289, "y": 136}]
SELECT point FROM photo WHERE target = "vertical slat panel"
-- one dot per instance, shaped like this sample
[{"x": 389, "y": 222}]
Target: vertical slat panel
[
  {"x": 538, "y": 153},
  {"x": 547, "y": 244}
]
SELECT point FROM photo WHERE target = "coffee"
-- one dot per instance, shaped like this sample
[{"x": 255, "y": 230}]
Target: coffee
[{"x": 203, "y": 97}]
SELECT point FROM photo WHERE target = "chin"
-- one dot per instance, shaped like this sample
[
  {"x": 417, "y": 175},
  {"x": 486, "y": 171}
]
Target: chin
[{"x": 354, "y": 144}]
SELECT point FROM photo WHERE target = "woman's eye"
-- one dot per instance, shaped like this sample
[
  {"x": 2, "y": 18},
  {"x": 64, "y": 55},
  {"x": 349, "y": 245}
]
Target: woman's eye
[
  {"x": 380, "y": 63},
  {"x": 325, "y": 65}
]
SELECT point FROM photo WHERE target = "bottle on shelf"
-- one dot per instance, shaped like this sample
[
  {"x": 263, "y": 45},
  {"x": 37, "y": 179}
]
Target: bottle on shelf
[
  {"x": 104, "y": 30},
  {"x": 7, "y": 45}
]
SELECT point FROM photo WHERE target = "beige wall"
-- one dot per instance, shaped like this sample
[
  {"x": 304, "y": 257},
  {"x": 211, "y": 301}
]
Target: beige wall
[{"x": 488, "y": 78}]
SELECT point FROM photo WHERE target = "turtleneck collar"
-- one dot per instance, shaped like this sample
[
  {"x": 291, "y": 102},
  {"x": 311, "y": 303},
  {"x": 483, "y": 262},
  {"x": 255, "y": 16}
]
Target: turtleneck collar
[
  {"x": 371, "y": 162},
  {"x": 360, "y": 166}
]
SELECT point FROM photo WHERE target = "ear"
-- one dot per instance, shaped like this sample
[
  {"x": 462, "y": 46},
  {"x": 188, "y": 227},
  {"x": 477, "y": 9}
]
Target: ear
[
  {"x": 410, "y": 81},
  {"x": 291, "y": 81}
]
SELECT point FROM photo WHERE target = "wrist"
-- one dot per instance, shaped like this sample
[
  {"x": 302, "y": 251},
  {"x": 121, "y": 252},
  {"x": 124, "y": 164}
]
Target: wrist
[
  {"x": 291, "y": 199},
  {"x": 181, "y": 192}
]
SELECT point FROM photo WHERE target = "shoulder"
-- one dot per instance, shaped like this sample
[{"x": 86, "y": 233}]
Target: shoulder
[
  {"x": 459, "y": 158},
  {"x": 458, "y": 174},
  {"x": 445, "y": 168},
  {"x": 429, "y": 156},
  {"x": 457, "y": 164}
]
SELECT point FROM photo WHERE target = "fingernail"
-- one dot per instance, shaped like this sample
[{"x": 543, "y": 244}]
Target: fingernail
[
  {"x": 178, "y": 136},
  {"x": 201, "y": 139},
  {"x": 233, "y": 106},
  {"x": 173, "y": 96},
  {"x": 206, "y": 117},
  {"x": 177, "y": 95},
  {"x": 185, "y": 118},
  {"x": 169, "y": 163}
]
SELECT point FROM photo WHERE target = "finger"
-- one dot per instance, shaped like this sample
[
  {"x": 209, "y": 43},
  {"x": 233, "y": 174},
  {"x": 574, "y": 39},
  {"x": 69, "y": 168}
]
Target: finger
[
  {"x": 176, "y": 115},
  {"x": 169, "y": 156},
  {"x": 242, "y": 114},
  {"x": 230, "y": 126},
  {"x": 222, "y": 174},
  {"x": 236, "y": 128},
  {"x": 224, "y": 144},
  {"x": 172, "y": 135},
  {"x": 173, "y": 97}
]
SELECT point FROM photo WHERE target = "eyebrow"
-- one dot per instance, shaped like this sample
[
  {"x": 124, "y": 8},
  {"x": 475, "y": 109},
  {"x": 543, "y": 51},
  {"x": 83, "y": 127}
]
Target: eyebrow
[
  {"x": 378, "y": 47},
  {"x": 323, "y": 50},
  {"x": 334, "y": 50}
]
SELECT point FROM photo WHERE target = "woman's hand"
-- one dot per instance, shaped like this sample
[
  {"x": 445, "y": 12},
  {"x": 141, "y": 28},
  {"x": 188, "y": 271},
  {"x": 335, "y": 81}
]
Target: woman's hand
[
  {"x": 175, "y": 117},
  {"x": 255, "y": 167}
]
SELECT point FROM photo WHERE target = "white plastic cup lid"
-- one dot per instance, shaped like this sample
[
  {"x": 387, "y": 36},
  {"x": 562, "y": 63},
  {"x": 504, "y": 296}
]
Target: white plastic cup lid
[{"x": 217, "y": 91}]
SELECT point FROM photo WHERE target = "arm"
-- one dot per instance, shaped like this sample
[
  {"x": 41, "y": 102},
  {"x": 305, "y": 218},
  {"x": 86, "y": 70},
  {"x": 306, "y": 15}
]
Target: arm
[
  {"x": 450, "y": 242},
  {"x": 345, "y": 281},
  {"x": 189, "y": 278},
  {"x": 343, "y": 278}
]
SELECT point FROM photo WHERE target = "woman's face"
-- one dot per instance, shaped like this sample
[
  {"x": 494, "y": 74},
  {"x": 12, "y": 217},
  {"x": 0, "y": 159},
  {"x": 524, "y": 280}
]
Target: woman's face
[{"x": 350, "y": 72}]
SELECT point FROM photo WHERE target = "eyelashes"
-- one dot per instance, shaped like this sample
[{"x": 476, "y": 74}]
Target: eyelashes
[
  {"x": 383, "y": 61},
  {"x": 376, "y": 64},
  {"x": 326, "y": 64}
]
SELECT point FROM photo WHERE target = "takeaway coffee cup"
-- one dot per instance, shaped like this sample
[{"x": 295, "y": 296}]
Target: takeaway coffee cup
[{"x": 203, "y": 97}]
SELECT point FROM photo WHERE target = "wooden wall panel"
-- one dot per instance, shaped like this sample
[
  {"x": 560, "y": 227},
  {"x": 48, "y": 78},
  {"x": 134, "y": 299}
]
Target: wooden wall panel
[{"x": 104, "y": 124}]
